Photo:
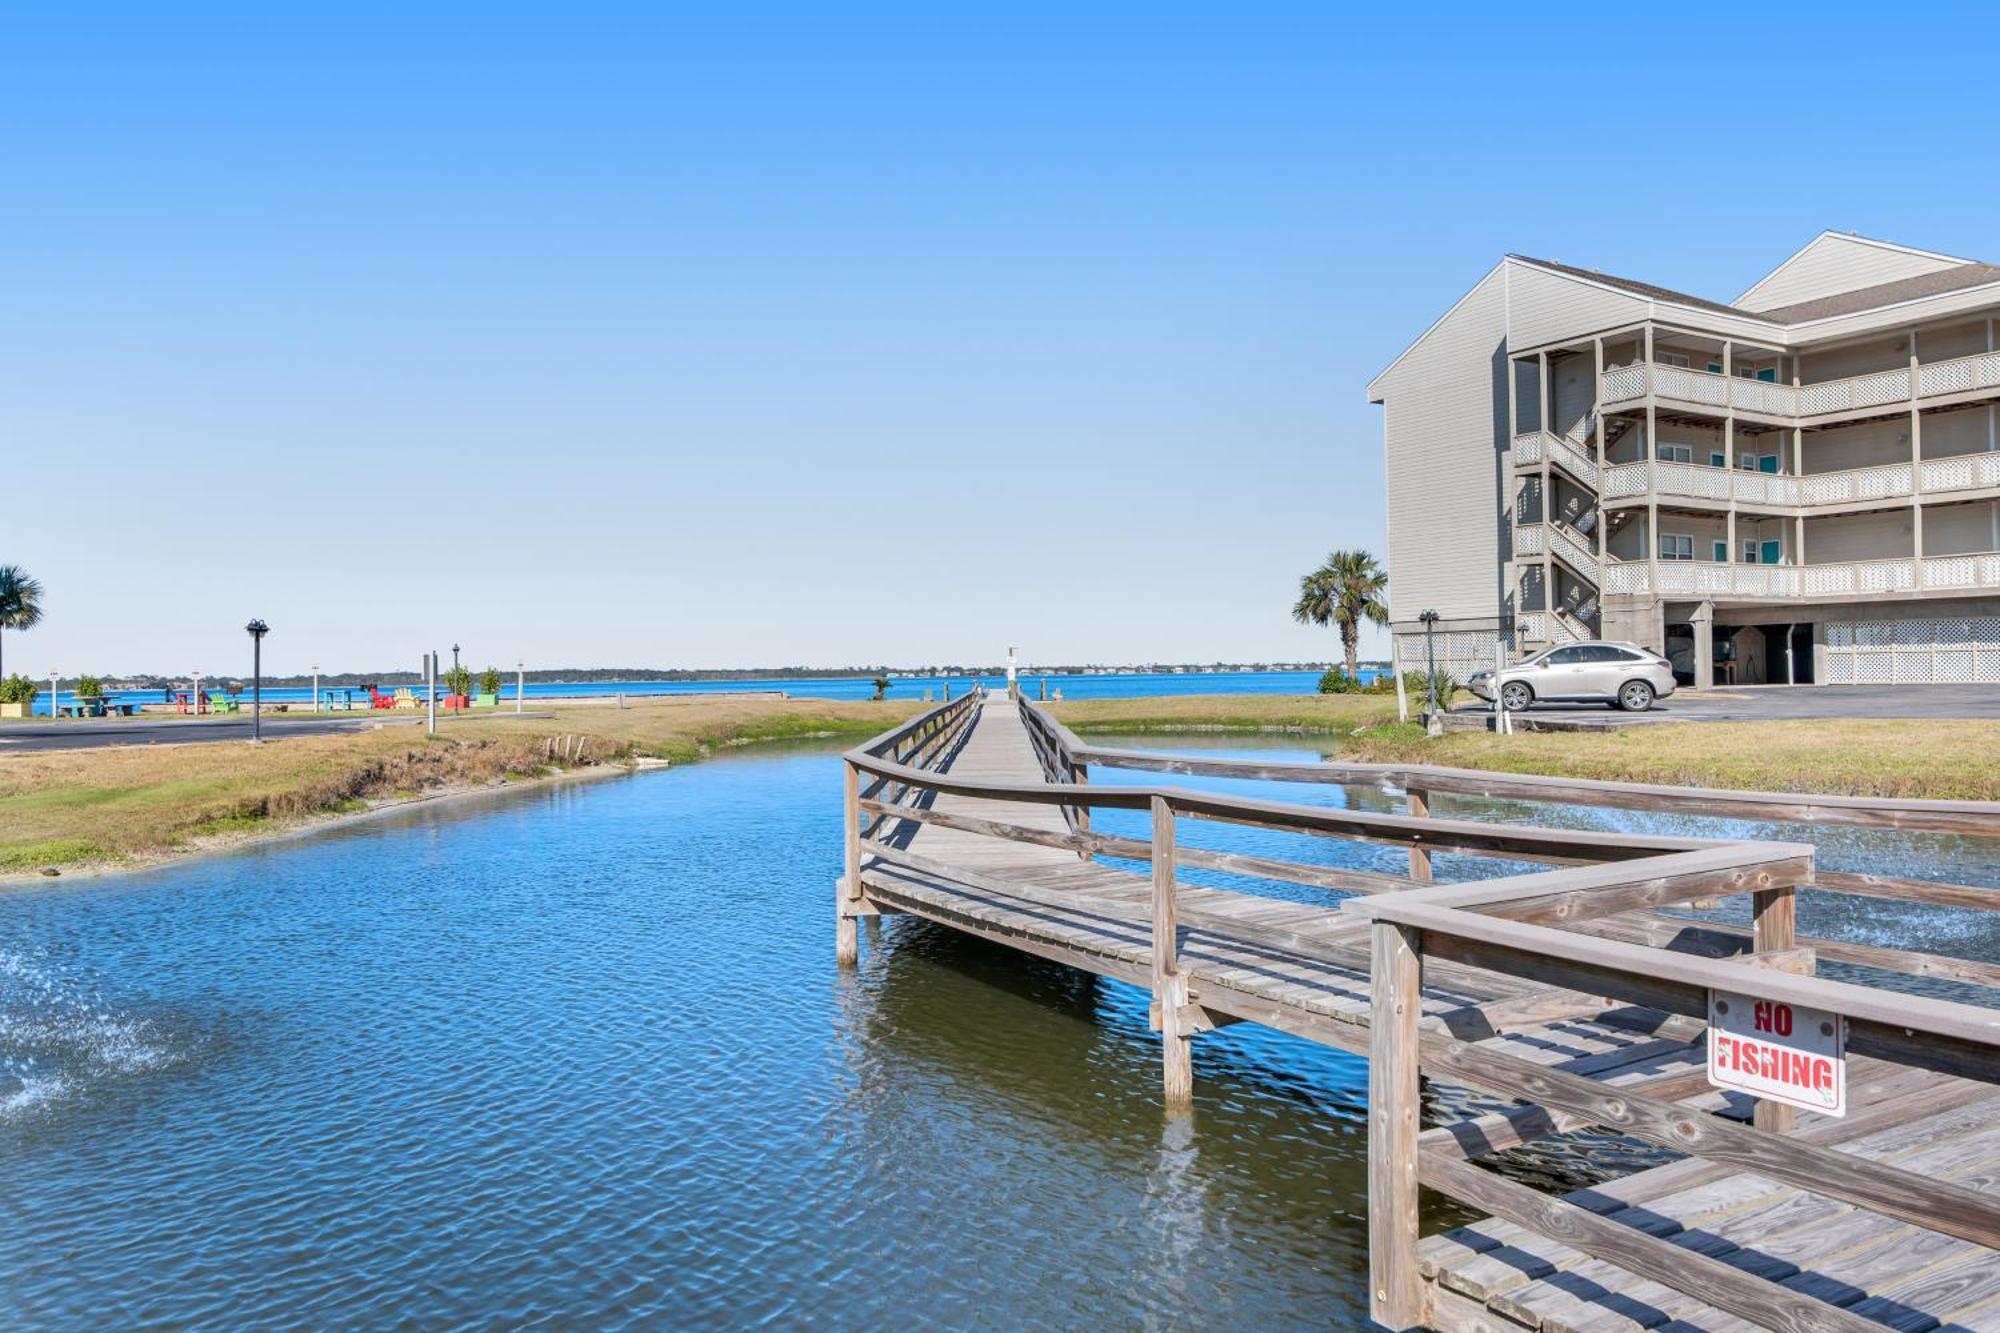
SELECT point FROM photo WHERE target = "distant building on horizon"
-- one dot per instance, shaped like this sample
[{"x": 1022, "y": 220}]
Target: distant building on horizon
[{"x": 1801, "y": 485}]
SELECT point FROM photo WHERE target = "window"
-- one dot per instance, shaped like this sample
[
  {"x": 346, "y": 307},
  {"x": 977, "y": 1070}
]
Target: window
[
  {"x": 1769, "y": 375},
  {"x": 1568, "y": 656},
  {"x": 1676, "y": 546},
  {"x": 1601, "y": 652},
  {"x": 1676, "y": 453},
  {"x": 1768, "y": 463},
  {"x": 1720, "y": 552},
  {"x": 1715, "y": 367},
  {"x": 1716, "y": 458},
  {"x": 1750, "y": 550},
  {"x": 1748, "y": 462},
  {"x": 1671, "y": 358},
  {"x": 1772, "y": 551}
]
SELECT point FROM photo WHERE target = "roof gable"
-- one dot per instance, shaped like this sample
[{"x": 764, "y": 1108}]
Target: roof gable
[{"x": 1836, "y": 262}]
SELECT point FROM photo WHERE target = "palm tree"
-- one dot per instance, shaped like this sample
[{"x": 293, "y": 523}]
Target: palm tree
[
  {"x": 1348, "y": 589},
  {"x": 20, "y": 599}
]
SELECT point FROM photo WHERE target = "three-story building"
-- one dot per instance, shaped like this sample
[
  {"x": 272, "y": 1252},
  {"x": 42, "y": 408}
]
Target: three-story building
[{"x": 1802, "y": 485}]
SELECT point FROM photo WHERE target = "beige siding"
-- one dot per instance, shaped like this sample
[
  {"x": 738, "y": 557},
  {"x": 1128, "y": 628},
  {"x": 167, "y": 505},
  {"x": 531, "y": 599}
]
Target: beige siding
[
  {"x": 1545, "y": 306},
  {"x": 1835, "y": 363},
  {"x": 1834, "y": 264},
  {"x": 1865, "y": 444},
  {"x": 1875, "y": 536},
  {"x": 1444, "y": 427},
  {"x": 1969, "y": 430},
  {"x": 1958, "y": 529}
]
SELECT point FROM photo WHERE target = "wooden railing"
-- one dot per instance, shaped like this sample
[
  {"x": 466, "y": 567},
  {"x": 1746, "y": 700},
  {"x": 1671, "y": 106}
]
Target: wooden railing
[
  {"x": 1587, "y": 930},
  {"x": 926, "y": 740},
  {"x": 1973, "y": 374},
  {"x": 1507, "y": 926}
]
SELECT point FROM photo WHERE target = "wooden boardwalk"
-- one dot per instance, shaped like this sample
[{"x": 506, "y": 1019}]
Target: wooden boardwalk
[{"x": 989, "y": 845}]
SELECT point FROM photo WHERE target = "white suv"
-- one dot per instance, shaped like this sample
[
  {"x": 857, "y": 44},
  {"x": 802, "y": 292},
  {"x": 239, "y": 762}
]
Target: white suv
[{"x": 1623, "y": 675}]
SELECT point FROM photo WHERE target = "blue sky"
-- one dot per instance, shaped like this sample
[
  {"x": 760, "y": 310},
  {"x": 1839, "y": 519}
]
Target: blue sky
[{"x": 765, "y": 335}]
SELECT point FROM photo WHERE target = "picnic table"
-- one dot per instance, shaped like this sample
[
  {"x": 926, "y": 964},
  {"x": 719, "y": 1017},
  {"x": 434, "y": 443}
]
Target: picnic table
[{"x": 96, "y": 708}]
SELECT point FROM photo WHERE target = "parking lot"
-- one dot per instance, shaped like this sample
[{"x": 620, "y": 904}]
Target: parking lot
[{"x": 1771, "y": 703}]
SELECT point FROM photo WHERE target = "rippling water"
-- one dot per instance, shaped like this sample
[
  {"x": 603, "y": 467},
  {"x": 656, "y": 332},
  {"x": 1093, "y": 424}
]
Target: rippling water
[{"x": 580, "y": 1055}]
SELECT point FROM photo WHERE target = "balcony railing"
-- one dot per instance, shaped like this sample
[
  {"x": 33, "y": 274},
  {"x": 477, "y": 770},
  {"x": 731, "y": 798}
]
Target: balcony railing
[
  {"x": 1702, "y": 578},
  {"x": 1534, "y": 538},
  {"x": 1962, "y": 472},
  {"x": 1856, "y": 393},
  {"x": 1530, "y": 447}
]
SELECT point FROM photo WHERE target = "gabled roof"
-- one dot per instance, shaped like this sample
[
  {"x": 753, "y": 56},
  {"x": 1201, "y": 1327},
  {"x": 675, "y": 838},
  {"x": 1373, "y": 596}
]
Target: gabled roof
[
  {"x": 1633, "y": 285},
  {"x": 1830, "y": 252},
  {"x": 1961, "y": 274},
  {"x": 1882, "y": 294}
]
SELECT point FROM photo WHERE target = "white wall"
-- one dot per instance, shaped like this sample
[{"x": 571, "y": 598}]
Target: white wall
[{"x": 1444, "y": 415}]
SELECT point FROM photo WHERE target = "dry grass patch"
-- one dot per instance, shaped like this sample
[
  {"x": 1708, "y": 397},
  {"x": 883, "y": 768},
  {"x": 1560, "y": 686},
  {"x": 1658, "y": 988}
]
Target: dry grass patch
[
  {"x": 66, "y": 807},
  {"x": 1914, "y": 758},
  {"x": 1907, "y": 758}
]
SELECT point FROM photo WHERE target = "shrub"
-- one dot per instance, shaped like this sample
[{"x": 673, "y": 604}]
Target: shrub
[
  {"x": 458, "y": 680},
  {"x": 18, "y": 689},
  {"x": 1418, "y": 685},
  {"x": 489, "y": 681},
  {"x": 89, "y": 687},
  {"x": 1337, "y": 681}
]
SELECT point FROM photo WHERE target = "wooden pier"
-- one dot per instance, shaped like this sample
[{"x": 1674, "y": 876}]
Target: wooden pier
[{"x": 1565, "y": 989}]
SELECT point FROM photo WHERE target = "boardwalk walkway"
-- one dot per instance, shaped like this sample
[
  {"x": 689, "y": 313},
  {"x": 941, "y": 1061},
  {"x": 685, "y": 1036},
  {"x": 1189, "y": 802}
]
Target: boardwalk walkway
[{"x": 1734, "y": 1238}]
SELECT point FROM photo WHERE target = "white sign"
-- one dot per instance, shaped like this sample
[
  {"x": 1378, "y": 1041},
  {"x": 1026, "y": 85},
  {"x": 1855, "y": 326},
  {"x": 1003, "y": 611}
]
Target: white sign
[{"x": 1780, "y": 1052}]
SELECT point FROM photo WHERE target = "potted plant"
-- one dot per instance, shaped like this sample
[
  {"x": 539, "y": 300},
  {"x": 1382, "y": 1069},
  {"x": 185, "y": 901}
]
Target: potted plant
[
  {"x": 17, "y": 696},
  {"x": 489, "y": 688},
  {"x": 458, "y": 687}
]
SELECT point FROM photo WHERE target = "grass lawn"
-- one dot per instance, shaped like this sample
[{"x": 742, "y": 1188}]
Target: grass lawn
[
  {"x": 1901, "y": 758},
  {"x": 68, "y": 807}
]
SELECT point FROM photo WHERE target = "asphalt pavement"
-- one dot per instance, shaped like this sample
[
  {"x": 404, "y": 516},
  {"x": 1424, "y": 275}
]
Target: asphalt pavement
[{"x": 1776, "y": 703}]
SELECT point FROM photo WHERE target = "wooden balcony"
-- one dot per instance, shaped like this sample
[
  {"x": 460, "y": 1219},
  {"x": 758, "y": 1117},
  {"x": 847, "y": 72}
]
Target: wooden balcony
[{"x": 1802, "y": 404}]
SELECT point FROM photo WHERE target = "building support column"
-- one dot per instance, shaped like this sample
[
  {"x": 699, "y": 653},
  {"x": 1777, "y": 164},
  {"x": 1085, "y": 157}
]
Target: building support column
[
  {"x": 1703, "y": 621},
  {"x": 1652, "y": 462},
  {"x": 1916, "y": 469},
  {"x": 1548, "y": 498}
]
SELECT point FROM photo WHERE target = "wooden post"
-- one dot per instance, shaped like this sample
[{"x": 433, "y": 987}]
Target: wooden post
[
  {"x": 1776, "y": 928},
  {"x": 1080, "y": 775},
  {"x": 1395, "y": 1285},
  {"x": 1169, "y": 986},
  {"x": 1420, "y": 856},
  {"x": 846, "y": 933}
]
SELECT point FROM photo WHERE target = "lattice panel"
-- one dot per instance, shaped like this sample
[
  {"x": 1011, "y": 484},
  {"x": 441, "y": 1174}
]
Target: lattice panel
[{"x": 1914, "y": 650}]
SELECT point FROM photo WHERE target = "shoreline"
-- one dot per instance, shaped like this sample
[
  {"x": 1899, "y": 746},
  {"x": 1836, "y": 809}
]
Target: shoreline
[{"x": 221, "y": 844}]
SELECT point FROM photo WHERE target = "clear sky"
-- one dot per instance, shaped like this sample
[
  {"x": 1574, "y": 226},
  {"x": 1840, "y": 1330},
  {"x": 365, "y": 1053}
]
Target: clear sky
[{"x": 836, "y": 334}]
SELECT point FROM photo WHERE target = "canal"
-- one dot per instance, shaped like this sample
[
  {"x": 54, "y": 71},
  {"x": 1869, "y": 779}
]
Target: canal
[{"x": 580, "y": 1055}]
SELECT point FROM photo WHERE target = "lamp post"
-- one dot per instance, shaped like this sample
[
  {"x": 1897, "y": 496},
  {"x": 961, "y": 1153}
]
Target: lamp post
[
  {"x": 257, "y": 629},
  {"x": 315, "y": 687},
  {"x": 52, "y": 692},
  {"x": 520, "y": 683},
  {"x": 454, "y": 661},
  {"x": 1429, "y": 619},
  {"x": 195, "y": 703}
]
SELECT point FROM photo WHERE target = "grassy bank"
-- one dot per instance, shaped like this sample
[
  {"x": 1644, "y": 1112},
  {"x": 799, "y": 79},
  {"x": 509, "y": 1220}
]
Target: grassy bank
[
  {"x": 1902, "y": 758},
  {"x": 126, "y": 805},
  {"x": 1318, "y": 713}
]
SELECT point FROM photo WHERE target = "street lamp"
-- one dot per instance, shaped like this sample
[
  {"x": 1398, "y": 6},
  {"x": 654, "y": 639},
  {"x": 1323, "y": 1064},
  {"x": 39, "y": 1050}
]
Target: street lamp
[
  {"x": 52, "y": 692},
  {"x": 315, "y": 687},
  {"x": 1429, "y": 620},
  {"x": 454, "y": 661},
  {"x": 257, "y": 629},
  {"x": 520, "y": 683}
]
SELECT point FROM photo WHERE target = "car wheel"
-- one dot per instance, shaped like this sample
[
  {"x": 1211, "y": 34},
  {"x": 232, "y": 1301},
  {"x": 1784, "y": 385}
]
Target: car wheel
[
  {"x": 1515, "y": 697},
  {"x": 1635, "y": 696}
]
